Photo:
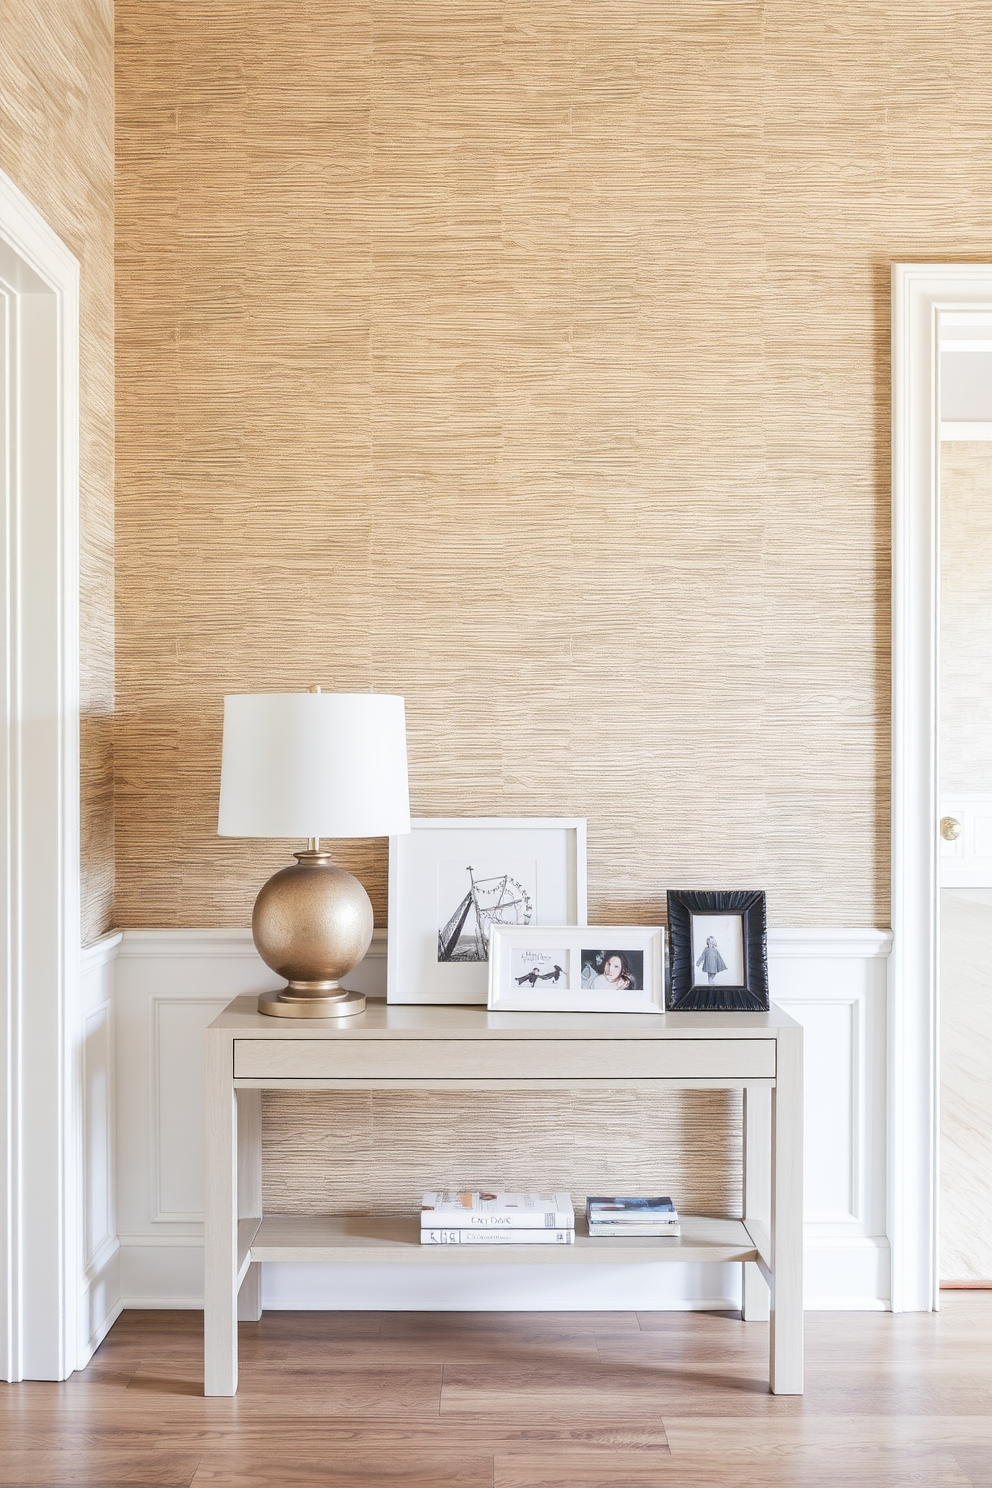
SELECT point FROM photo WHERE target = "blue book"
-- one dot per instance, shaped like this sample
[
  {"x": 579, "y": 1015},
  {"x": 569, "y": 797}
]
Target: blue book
[{"x": 630, "y": 1211}]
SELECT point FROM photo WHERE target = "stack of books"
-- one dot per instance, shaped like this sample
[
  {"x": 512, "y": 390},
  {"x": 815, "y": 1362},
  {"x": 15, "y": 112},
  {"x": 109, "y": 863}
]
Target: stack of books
[
  {"x": 632, "y": 1216},
  {"x": 497, "y": 1219}
]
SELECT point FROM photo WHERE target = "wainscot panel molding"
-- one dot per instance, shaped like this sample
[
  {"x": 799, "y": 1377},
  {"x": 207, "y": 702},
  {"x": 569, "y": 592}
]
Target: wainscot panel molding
[
  {"x": 172, "y": 983},
  {"x": 835, "y": 983},
  {"x": 100, "y": 1284}
]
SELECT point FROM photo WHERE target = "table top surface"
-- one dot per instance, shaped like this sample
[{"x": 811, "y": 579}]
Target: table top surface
[{"x": 383, "y": 1020}]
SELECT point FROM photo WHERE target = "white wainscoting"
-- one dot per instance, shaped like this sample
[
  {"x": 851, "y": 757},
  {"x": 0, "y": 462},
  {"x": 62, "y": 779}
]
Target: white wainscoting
[
  {"x": 100, "y": 1283},
  {"x": 170, "y": 984},
  {"x": 834, "y": 983}
]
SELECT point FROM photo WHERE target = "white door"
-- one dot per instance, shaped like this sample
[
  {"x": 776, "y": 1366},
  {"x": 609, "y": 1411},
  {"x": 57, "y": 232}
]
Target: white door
[
  {"x": 965, "y": 825},
  {"x": 965, "y": 839}
]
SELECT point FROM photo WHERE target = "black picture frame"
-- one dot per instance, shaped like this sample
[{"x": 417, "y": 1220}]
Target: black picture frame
[{"x": 685, "y": 994}]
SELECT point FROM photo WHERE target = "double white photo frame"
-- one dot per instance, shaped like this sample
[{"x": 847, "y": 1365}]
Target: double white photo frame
[{"x": 587, "y": 969}]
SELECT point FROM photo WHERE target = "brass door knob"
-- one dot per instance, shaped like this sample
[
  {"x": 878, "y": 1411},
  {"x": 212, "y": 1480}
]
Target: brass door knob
[{"x": 950, "y": 828}]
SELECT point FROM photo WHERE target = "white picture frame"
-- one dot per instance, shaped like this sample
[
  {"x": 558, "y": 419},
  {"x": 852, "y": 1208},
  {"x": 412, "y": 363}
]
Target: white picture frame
[
  {"x": 564, "y": 969},
  {"x": 531, "y": 867}
]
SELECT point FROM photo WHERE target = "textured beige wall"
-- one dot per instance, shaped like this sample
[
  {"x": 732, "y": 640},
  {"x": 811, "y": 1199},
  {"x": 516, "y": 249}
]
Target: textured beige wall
[
  {"x": 966, "y": 619},
  {"x": 57, "y": 144},
  {"x": 530, "y": 360},
  {"x": 376, "y": 1152}
]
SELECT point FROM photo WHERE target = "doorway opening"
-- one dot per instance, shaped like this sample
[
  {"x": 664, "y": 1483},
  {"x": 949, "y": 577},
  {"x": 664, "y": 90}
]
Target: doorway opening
[
  {"x": 964, "y": 893},
  {"x": 933, "y": 306}
]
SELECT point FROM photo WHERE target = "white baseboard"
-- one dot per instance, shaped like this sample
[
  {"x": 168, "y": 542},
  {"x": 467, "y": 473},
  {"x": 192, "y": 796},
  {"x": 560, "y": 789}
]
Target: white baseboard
[
  {"x": 170, "y": 984},
  {"x": 846, "y": 1275},
  {"x": 102, "y": 1303},
  {"x": 162, "y": 1275}
]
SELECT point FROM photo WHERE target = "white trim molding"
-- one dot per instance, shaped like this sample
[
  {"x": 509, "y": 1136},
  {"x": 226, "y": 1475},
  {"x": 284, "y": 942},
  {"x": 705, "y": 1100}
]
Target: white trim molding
[
  {"x": 957, "y": 432},
  {"x": 826, "y": 945},
  {"x": 211, "y": 945},
  {"x": 921, "y": 294},
  {"x": 41, "y": 1239}
]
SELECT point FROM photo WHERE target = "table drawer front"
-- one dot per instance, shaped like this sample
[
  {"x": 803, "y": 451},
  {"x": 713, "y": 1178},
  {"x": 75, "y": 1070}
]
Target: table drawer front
[{"x": 535, "y": 1059}]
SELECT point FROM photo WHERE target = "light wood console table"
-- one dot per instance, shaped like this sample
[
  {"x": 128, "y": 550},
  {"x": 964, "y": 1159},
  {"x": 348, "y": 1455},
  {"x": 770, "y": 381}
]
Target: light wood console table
[{"x": 467, "y": 1048}]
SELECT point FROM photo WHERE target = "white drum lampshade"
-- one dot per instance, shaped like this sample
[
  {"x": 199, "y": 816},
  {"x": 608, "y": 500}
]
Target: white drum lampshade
[{"x": 313, "y": 764}]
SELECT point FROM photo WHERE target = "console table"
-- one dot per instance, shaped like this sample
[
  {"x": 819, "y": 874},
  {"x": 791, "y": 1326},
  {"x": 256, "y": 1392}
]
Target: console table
[{"x": 396, "y": 1047}]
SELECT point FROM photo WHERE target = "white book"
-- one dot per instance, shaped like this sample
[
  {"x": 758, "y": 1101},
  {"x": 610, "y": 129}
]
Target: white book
[
  {"x": 497, "y": 1211},
  {"x": 612, "y": 1231},
  {"x": 497, "y": 1237}
]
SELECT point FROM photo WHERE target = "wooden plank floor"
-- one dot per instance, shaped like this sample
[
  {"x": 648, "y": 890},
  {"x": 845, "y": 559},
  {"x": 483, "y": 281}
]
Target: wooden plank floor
[{"x": 521, "y": 1400}]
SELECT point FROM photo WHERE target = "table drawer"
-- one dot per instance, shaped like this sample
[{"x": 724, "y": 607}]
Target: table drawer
[{"x": 529, "y": 1059}]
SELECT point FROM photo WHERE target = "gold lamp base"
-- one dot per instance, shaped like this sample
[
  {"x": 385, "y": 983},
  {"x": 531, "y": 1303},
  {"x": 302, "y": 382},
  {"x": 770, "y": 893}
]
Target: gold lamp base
[
  {"x": 343, "y": 1005},
  {"x": 312, "y": 923}
]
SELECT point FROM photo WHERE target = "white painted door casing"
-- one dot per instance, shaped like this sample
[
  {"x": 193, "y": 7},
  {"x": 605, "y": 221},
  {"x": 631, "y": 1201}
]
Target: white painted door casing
[
  {"x": 921, "y": 293},
  {"x": 40, "y": 1023}
]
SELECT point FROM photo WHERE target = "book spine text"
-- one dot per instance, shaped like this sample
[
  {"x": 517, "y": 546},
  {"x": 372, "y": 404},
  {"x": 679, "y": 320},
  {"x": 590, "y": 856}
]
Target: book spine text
[
  {"x": 463, "y": 1219},
  {"x": 611, "y": 1231},
  {"x": 496, "y": 1237}
]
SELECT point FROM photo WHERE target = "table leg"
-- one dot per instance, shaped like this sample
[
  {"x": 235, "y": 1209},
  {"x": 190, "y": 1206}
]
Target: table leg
[
  {"x": 250, "y": 1194},
  {"x": 786, "y": 1340},
  {"x": 220, "y": 1237},
  {"x": 756, "y": 1301}
]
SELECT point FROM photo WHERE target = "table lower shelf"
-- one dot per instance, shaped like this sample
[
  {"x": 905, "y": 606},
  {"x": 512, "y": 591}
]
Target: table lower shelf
[{"x": 293, "y": 1237}]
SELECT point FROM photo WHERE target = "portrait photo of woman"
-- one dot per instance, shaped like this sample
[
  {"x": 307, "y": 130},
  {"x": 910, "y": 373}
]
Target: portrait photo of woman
[{"x": 612, "y": 971}]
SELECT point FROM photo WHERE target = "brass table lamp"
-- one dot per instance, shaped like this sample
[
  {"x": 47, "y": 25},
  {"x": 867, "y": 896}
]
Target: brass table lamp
[{"x": 313, "y": 764}]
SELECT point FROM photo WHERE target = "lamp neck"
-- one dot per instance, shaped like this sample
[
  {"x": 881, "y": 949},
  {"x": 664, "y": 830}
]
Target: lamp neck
[
  {"x": 313, "y": 856},
  {"x": 313, "y": 843}
]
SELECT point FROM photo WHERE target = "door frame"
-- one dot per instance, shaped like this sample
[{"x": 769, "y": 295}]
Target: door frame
[
  {"x": 41, "y": 1166},
  {"x": 920, "y": 292}
]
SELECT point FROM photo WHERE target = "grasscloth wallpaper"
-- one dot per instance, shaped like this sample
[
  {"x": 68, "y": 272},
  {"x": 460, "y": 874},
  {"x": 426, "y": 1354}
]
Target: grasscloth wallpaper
[
  {"x": 375, "y": 1152},
  {"x": 57, "y": 145},
  {"x": 529, "y": 359}
]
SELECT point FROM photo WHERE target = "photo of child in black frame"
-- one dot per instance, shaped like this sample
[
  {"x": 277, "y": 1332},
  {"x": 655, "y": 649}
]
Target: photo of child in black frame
[{"x": 703, "y": 933}]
